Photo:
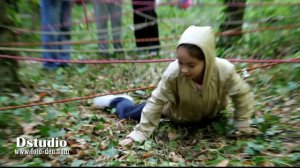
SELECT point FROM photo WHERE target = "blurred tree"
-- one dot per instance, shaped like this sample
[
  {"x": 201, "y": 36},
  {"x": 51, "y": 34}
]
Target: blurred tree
[{"x": 9, "y": 80}]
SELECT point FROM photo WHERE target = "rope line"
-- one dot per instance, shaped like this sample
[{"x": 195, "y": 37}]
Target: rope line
[
  {"x": 295, "y": 60},
  {"x": 230, "y": 4},
  {"x": 147, "y": 8},
  {"x": 225, "y": 33},
  {"x": 74, "y": 99},
  {"x": 233, "y": 4},
  {"x": 138, "y": 26},
  {"x": 150, "y": 7},
  {"x": 102, "y": 94},
  {"x": 83, "y": 51}
]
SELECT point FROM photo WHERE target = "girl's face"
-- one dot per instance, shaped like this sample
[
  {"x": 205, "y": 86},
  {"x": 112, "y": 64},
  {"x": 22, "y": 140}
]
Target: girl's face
[{"x": 190, "y": 67}]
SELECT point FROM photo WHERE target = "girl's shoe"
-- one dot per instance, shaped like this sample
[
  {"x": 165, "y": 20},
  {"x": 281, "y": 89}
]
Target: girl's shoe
[{"x": 104, "y": 101}]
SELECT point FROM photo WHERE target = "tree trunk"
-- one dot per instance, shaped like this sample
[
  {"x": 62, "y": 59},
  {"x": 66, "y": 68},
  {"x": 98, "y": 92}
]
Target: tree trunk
[
  {"x": 9, "y": 80},
  {"x": 234, "y": 13}
]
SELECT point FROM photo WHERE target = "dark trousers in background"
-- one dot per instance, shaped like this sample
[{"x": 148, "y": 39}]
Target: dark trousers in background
[
  {"x": 144, "y": 12},
  {"x": 56, "y": 22}
]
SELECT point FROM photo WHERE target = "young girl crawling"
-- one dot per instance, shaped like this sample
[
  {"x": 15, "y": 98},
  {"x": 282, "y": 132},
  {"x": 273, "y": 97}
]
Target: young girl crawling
[{"x": 193, "y": 88}]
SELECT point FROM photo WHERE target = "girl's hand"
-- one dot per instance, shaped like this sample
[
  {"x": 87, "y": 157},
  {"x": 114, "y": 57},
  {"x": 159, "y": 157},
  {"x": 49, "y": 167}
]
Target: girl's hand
[{"x": 126, "y": 142}]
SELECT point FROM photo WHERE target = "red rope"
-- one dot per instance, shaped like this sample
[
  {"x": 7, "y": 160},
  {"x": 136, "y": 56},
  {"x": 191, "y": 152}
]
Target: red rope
[
  {"x": 295, "y": 60},
  {"x": 225, "y": 33},
  {"x": 232, "y": 4},
  {"x": 74, "y": 99},
  {"x": 261, "y": 66},
  {"x": 103, "y": 94}
]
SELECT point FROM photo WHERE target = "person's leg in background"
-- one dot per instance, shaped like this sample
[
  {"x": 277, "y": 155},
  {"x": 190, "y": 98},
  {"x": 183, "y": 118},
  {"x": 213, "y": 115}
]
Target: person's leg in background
[
  {"x": 139, "y": 33},
  {"x": 65, "y": 27},
  {"x": 145, "y": 13},
  {"x": 50, "y": 24},
  {"x": 152, "y": 29},
  {"x": 115, "y": 10},
  {"x": 101, "y": 18}
]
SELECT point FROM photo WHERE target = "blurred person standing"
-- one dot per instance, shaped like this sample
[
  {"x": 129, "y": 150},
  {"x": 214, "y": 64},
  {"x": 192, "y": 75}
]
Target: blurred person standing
[
  {"x": 108, "y": 11},
  {"x": 56, "y": 25},
  {"x": 146, "y": 25},
  {"x": 185, "y": 4}
]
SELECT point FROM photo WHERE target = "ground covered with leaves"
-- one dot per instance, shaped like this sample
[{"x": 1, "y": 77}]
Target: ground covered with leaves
[{"x": 93, "y": 134}]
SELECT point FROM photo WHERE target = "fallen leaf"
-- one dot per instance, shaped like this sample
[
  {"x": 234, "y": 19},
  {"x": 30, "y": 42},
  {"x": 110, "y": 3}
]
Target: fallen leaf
[
  {"x": 101, "y": 77},
  {"x": 286, "y": 109},
  {"x": 35, "y": 98},
  {"x": 69, "y": 135},
  {"x": 122, "y": 157},
  {"x": 43, "y": 94},
  {"x": 267, "y": 164},
  {"x": 77, "y": 146},
  {"x": 175, "y": 157},
  {"x": 55, "y": 163},
  {"x": 81, "y": 154},
  {"x": 147, "y": 155},
  {"x": 28, "y": 128},
  {"x": 100, "y": 159},
  {"x": 248, "y": 162},
  {"x": 172, "y": 136},
  {"x": 81, "y": 141},
  {"x": 223, "y": 163},
  {"x": 290, "y": 102}
]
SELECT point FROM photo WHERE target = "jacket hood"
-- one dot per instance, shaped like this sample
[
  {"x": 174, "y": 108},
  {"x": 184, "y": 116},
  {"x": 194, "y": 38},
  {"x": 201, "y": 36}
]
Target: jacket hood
[{"x": 204, "y": 38}]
